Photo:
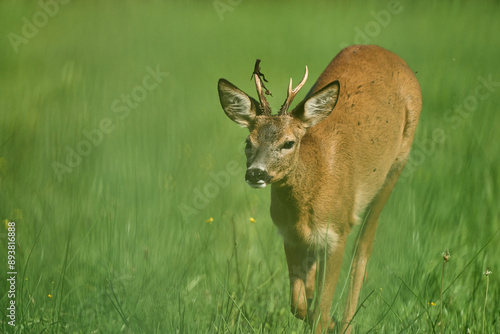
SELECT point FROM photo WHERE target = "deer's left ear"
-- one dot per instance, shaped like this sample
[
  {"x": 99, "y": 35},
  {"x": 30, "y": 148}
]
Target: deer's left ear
[
  {"x": 319, "y": 106},
  {"x": 237, "y": 105}
]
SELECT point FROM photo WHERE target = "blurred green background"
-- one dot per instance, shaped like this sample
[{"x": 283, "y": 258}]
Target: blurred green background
[{"x": 126, "y": 180}]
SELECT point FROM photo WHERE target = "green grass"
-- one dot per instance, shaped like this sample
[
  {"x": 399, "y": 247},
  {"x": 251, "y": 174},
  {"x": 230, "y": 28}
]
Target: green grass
[{"x": 109, "y": 241}]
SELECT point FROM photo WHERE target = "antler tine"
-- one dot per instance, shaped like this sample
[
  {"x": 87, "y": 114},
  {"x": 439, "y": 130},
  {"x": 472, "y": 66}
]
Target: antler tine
[
  {"x": 291, "y": 93},
  {"x": 264, "y": 105}
]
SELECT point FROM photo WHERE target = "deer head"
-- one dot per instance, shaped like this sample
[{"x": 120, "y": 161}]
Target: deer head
[{"x": 274, "y": 141}]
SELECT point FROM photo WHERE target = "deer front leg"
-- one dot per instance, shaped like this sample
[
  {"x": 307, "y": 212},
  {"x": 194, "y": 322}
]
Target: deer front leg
[
  {"x": 330, "y": 262},
  {"x": 301, "y": 270}
]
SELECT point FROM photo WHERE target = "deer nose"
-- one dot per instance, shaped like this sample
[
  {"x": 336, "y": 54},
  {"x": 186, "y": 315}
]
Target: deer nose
[{"x": 257, "y": 177}]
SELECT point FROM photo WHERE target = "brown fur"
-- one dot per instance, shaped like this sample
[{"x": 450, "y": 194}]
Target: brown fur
[{"x": 340, "y": 169}]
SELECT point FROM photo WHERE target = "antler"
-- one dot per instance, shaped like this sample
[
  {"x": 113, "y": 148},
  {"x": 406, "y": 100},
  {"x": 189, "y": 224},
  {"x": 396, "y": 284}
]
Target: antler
[
  {"x": 264, "y": 105},
  {"x": 291, "y": 94}
]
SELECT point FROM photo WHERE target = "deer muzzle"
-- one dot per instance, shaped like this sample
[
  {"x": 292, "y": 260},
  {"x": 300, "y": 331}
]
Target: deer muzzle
[{"x": 257, "y": 178}]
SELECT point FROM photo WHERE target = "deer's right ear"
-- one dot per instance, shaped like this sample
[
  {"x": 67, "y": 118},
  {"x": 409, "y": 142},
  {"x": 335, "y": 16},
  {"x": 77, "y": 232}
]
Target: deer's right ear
[{"x": 237, "y": 105}]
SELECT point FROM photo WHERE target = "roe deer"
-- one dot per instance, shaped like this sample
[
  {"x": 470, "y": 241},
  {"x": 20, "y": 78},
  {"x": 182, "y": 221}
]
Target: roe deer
[{"x": 329, "y": 167}]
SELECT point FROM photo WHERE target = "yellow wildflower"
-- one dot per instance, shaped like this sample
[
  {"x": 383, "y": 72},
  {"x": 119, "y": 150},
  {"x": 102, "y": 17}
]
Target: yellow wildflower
[
  {"x": 50, "y": 296},
  {"x": 446, "y": 256},
  {"x": 252, "y": 220},
  {"x": 209, "y": 220}
]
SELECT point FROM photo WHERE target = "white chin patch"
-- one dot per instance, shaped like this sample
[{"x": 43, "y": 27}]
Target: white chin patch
[{"x": 259, "y": 184}]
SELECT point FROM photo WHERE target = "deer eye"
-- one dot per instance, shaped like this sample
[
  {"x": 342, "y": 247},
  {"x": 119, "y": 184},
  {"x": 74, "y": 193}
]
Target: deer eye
[{"x": 288, "y": 145}]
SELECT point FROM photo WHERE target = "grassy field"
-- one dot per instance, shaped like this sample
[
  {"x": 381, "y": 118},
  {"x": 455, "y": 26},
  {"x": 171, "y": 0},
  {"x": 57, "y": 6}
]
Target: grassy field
[{"x": 115, "y": 153}]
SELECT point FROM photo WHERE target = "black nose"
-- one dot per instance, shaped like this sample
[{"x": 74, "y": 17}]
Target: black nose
[{"x": 254, "y": 175}]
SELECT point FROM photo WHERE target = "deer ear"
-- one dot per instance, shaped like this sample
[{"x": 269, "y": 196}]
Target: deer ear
[
  {"x": 237, "y": 105},
  {"x": 319, "y": 106}
]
